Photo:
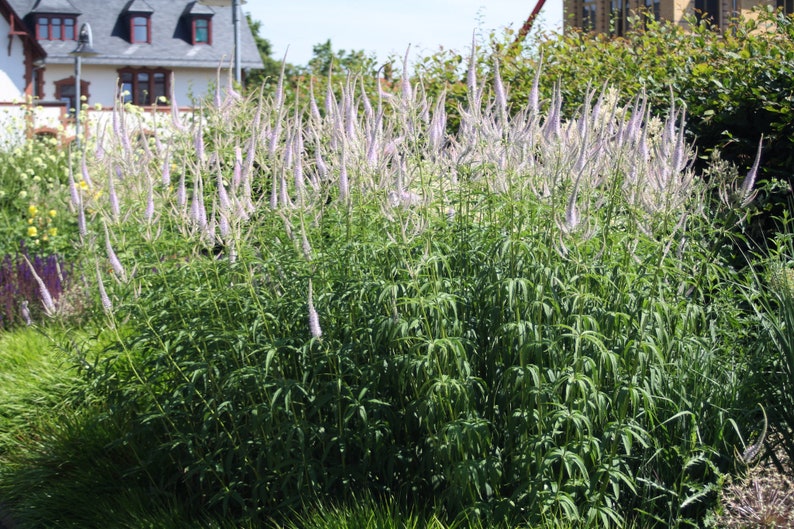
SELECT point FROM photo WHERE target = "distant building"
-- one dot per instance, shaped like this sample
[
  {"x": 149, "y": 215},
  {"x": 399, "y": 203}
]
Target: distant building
[
  {"x": 612, "y": 16},
  {"x": 142, "y": 45}
]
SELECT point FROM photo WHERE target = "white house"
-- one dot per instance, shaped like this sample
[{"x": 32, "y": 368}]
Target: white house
[{"x": 143, "y": 46}]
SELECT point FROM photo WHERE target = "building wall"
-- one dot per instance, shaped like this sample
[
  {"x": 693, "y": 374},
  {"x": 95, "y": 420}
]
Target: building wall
[
  {"x": 674, "y": 10},
  {"x": 190, "y": 83},
  {"x": 12, "y": 73}
]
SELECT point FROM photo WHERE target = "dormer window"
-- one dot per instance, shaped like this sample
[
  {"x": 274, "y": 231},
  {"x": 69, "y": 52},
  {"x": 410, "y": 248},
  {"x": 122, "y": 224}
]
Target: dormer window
[
  {"x": 196, "y": 25},
  {"x": 56, "y": 27},
  {"x": 202, "y": 30},
  {"x": 139, "y": 18},
  {"x": 140, "y": 29}
]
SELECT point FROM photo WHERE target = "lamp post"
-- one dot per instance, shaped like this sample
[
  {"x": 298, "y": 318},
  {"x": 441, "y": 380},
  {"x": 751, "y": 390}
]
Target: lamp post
[
  {"x": 236, "y": 23},
  {"x": 85, "y": 48}
]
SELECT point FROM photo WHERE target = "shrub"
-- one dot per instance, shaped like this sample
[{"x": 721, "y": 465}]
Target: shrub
[
  {"x": 34, "y": 208},
  {"x": 523, "y": 321}
]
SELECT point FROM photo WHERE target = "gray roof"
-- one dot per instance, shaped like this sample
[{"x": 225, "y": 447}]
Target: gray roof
[
  {"x": 171, "y": 33},
  {"x": 54, "y": 7},
  {"x": 139, "y": 6}
]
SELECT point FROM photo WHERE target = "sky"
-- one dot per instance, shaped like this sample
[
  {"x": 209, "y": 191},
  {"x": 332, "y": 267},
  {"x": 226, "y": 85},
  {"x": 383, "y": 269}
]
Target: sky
[{"x": 387, "y": 27}]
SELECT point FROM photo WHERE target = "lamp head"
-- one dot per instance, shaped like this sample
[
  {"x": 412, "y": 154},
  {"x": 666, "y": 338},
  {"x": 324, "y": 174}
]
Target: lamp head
[{"x": 85, "y": 43}]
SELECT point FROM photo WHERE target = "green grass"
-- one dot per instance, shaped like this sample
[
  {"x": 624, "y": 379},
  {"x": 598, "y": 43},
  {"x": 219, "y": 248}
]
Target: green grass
[{"x": 34, "y": 380}]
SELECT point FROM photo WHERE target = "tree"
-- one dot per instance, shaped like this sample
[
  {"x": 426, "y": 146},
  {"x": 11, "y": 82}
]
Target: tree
[
  {"x": 269, "y": 74},
  {"x": 356, "y": 61}
]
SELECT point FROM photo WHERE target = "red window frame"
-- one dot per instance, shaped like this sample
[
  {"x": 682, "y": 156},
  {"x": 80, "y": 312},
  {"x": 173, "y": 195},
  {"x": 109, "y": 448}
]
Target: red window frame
[
  {"x": 144, "y": 85},
  {"x": 67, "y": 85},
  {"x": 140, "y": 21},
  {"x": 194, "y": 30},
  {"x": 56, "y": 27}
]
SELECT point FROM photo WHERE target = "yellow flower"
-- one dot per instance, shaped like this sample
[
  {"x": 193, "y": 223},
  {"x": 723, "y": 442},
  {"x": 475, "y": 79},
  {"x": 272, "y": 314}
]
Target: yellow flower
[
  {"x": 52, "y": 213},
  {"x": 83, "y": 185},
  {"x": 33, "y": 210},
  {"x": 33, "y": 231},
  {"x": 52, "y": 232}
]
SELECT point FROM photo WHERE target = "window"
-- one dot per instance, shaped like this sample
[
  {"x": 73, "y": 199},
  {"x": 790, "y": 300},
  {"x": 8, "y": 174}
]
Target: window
[
  {"x": 140, "y": 29},
  {"x": 64, "y": 91},
  {"x": 654, "y": 8},
  {"x": 589, "y": 15},
  {"x": 55, "y": 27},
  {"x": 617, "y": 14},
  {"x": 201, "y": 31},
  {"x": 38, "y": 83},
  {"x": 66, "y": 94},
  {"x": 143, "y": 86},
  {"x": 708, "y": 10}
]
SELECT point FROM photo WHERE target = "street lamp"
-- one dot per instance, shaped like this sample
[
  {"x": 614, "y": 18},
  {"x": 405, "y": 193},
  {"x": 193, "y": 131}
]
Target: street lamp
[
  {"x": 236, "y": 23},
  {"x": 85, "y": 48}
]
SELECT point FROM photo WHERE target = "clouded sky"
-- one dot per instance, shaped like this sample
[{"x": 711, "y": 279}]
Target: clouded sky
[{"x": 387, "y": 27}]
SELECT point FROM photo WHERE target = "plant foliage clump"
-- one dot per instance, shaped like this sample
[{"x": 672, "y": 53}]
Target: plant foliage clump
[{"x": 522, "y": 321}]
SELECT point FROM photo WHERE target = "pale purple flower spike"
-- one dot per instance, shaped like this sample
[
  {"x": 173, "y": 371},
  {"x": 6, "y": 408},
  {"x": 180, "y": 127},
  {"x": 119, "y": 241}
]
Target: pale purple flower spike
[
  {"x": 314, "y": 318},
  {"x": 107, "y": 305},
  {"x": 46, "y": 297}
]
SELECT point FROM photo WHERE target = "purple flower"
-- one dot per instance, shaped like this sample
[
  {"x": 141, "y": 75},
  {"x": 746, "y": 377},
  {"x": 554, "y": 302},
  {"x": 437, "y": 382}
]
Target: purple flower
[
  {"x": 471, "y": 76},
  {"x": 314, "y": 318},
  {"x": 534, "y": 105},
  {"x": 149, "y": 212},
  {"x": 499, "y": 89},
  {"x": 81, "y": 224},
  {"x": 405, "y": 83},
  {"x": 238, "y": 167},
  {"x": 84, "y": 170},
  {"x": 166, "y": 177},
  {"x": 73, "y": 189},
  {"x": 746, "y": 193},
  {"x": 198, "y": 141},
  {"x": 315, "y": 111},
  {"x": 344, "y": 185},
  {"x": 113, "y": 258},
  {"x": 223, "y": 196},
  {"x": 46, "y": 297},
  {"x": 114, "y": 199},
  {"x": 181, "y": 192},
  {"x": 223, "y": 225},
  {"x": 107, "y": 305}
]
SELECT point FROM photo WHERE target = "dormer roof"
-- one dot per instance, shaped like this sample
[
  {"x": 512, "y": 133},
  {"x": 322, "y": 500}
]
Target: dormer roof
[
  {"x": 194, "y": 8},
  {"x": 139, "y": 7},
  {"x": 55, "y": 7}
]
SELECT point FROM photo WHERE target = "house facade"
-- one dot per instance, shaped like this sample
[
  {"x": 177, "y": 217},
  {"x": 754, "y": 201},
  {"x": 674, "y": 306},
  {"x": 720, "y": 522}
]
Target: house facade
[
  {"x": 148, "y": 52},
  {"x": 612, "y": 16}
]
